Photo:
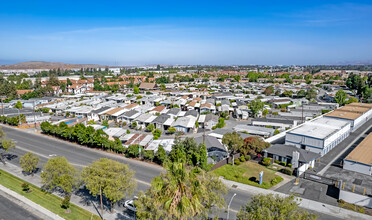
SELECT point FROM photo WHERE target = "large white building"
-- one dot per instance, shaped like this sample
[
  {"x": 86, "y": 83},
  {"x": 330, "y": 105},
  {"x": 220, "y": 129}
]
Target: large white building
[
  {"x": 355, "y": 113},
  {"x": 319, "y": 135}
]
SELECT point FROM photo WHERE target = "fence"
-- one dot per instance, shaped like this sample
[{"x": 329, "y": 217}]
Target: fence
[{"x": 225, "y": 161}]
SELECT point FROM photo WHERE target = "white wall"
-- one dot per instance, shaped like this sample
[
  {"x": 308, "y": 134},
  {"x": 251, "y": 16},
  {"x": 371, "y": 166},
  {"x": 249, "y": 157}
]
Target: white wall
[
  {"x": 357, "y": 167},
  {"x": 356, "y": 199}
]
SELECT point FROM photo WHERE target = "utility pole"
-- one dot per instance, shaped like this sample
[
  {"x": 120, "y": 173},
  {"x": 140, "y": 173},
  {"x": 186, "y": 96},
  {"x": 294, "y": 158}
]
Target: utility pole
[
  {"x": 2, "y": 103},
  {"x": 302, "y": 104},
  {"x": 34, "y": 116}
]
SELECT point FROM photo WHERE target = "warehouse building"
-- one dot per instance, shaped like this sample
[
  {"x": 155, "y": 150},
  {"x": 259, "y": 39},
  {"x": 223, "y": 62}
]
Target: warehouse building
[
  {"x": 360, "y": 159},
  {"x": 319, "y": 135},
  {"x": 355, "y": 113}
]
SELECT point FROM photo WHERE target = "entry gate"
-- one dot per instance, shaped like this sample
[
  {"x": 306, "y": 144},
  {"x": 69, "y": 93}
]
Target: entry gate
[{"x": 319, "y": 179}]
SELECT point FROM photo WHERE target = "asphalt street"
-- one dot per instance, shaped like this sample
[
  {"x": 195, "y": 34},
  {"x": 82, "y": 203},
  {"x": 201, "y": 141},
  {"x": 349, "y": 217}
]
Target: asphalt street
[
  {"x": 9, "y": 210},
  {"x": 80, "y": 156}
]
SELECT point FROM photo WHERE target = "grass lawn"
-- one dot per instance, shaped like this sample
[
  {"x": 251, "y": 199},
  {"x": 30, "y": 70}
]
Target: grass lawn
[
  {"x": 248, "y": 173},
  {"x": 45, "y": 199}
]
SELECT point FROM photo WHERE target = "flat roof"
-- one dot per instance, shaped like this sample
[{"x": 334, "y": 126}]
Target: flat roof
[
  {"x": 344, "y": 114},
  {"x": 365, "y": 105},
  {"x": 363, "y": 152},
  {"x": 319, "y": 128},
  {"x": 355, "y": 109}
]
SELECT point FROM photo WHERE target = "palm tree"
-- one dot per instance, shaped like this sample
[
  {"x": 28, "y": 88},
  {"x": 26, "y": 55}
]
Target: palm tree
[{"x": 181, "y": 193}]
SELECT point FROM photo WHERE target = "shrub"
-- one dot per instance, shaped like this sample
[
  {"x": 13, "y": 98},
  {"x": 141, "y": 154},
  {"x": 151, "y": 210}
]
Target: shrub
[
  {"x": 289, "y": 165},
  {"x": 242, "y": 158},
  {"x": 237, "y": 162},
  {"x": 276, "y": 161},
  {"x": 25, "y": 187},
  {"x": 286, "y": 171},
  {"x": 282, "y": 163},
  {"x": 276, "y": 180},
  {"x": 361, "y": 210},
  {"x": 266, "y": 161},
  {"x": 275, "y": 113},
  {"x": 66, "y": 202},
  {"x": 247, "y": 157}
]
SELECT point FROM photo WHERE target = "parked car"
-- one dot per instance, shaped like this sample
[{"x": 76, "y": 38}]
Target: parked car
[{"x": 130, "y": 205}]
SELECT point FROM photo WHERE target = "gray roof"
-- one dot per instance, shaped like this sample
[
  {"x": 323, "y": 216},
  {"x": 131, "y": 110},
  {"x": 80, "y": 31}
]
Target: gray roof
[
  {"x": 193, "y": 113},
  {"x": 161, "y": 119},
  {"x": 274, "y": 120},
  {"x": 130, "y": 113},
  {"x": 287, "y": 151},
  {"x": 174, "y": 111},
  {"x": 211, "y": 143},
  {"x": 100, "y": 110},
  {"x": 211, "y": 117}
]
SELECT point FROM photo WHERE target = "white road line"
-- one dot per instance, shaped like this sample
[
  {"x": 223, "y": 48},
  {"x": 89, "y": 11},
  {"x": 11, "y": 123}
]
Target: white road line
[{"x": 342, "y": 152}]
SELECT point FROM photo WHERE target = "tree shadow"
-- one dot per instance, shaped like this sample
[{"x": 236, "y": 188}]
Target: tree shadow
[
  {"x": 9, "y": 156},
  {"x": 37, "y": 170}
]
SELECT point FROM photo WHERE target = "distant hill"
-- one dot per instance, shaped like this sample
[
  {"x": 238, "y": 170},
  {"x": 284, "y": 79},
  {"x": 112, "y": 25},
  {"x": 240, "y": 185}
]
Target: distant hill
[{"x": 48, "y": 65}]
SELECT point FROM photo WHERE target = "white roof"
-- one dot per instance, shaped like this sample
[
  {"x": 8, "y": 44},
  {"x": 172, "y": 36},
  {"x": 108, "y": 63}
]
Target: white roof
[
  {"x": 319, "y": 128},
  {"x": 201, "y": 119},
  {"x": 165, "y": 143},
  {"x": 114, "y": 132},
  {"x": 188, "y": 122}
]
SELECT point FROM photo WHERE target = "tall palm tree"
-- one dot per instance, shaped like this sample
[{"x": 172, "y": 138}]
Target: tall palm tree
[{"x": 181, "y": 193}]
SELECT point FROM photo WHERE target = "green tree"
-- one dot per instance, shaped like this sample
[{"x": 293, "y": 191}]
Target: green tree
[
  {"x": 270, "y": 207},
  {"x": 58, "y": 172},
  {"x": 341, "y": 97},
  {"x": 149, "y": 155},
  {"x": 110, "y": 178},
  {"x": 171, "y": 130},
  {"x": 233, "y": 141},
  {"x": 135, "y": 90},
  {"x": 276, "y": 132},
  {"x": 301, "y": 93},
  {"x": 311, "y": 94},
  {"x": 203, "y": 157},
  {"x": 150, "y": 127},
  {"x": 156, "y": 133},
  {"x": 181, "y": 193},
  {"x": 133, "y": 151},
  {"x": 134, "y": 124},
  {"x": 269, "y": 90},
  {"x": 105, "y": 123},
  {"x": 29, "y": 162},
  {"x": 162, "y": 87},
  {"x": 5, "y": 143},
  {"x": 256, "y": 106},
  {"x": 265, "y": 112},
  {"x": 161, "y": 155},
  {"x": 18, "y": 105}
]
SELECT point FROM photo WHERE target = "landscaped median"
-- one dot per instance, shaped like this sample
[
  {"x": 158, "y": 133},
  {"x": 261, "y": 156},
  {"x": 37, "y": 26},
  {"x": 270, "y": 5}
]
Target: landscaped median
[
  {"x": 248, "y": 173},
  {"x": 44, "y": 198}
]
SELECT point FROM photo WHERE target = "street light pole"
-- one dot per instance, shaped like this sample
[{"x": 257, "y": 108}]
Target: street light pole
[{"x": 228, "y": 207}]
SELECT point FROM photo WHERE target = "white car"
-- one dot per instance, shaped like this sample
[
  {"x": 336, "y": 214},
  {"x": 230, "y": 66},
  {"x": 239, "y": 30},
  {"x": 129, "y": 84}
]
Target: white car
[
  {"x": 130, "y": 205},
  {"x": 52, "y": 155}
]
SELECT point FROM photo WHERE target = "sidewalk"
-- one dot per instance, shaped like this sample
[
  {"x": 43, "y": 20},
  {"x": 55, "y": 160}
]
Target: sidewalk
[
  {"x": 28, "y": 204},
  {"x": 303, "y": 203},
  {"x": 77, "y": 200},
  {"x": 286, "y": 179}
]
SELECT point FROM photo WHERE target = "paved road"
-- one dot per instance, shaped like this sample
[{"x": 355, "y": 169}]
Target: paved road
[
  {"x": 81, "y": 156},
  {"x": 9, "y": 210}
]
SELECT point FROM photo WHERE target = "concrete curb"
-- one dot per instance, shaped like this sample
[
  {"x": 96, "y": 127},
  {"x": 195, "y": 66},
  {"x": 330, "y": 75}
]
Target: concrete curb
[
  {"x": 303, "y": 203},
  {"x": 30, "y": 203}
]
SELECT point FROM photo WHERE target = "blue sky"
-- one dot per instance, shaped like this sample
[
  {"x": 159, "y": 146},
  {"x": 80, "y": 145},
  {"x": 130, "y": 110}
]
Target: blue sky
[{"x": 186, "y": 32}]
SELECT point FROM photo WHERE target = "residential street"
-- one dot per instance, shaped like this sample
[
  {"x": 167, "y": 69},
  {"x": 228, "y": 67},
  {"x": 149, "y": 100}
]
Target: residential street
[
  {"x": 10, "y": 210},
  {"x": 80, "y": 156}
]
